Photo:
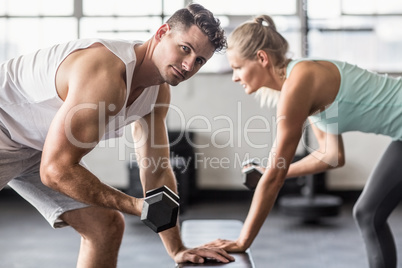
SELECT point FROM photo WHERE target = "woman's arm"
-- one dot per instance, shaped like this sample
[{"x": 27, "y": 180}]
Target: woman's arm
[
  {"x": 301, "y": 95},
  {"x": 293, "y": 109},
  {"x": 330, "y": 154},
  {"x": 291, "y": 117}
]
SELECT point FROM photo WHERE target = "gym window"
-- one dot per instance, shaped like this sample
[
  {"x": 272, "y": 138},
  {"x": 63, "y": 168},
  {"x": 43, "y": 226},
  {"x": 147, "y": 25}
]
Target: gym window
[
  {"x": 358, "y": 31},
  {"x": 27, "y": 25},
  {"x": 363, "y": 32}
]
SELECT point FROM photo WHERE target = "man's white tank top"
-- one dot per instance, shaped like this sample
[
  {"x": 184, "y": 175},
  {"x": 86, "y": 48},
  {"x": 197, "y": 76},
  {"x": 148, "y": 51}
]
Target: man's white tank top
[{"x": 29, "y": 100}]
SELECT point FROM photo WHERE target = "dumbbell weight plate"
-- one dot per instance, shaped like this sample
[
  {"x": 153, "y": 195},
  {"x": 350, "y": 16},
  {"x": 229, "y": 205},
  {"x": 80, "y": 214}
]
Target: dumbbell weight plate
[
  {"x": 251, "y": 177},
  {"x": 160, "y": 209}
]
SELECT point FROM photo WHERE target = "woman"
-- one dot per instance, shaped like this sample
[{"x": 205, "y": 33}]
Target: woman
[{"x": 336, "y": 97}]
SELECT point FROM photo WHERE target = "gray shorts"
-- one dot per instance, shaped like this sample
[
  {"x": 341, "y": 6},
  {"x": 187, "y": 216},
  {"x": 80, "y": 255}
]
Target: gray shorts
[{"x": 20, "y": 169}]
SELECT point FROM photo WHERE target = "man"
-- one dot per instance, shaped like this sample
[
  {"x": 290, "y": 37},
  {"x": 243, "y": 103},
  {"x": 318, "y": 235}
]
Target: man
[{"x": 58, "y": 103}]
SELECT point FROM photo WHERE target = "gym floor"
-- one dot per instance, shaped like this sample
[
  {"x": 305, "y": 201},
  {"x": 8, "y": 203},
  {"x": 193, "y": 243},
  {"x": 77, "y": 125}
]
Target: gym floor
[{"x": 27, "y": 241}]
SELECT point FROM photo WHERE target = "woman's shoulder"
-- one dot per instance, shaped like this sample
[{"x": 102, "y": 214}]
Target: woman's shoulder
[
  {"x": 318, "y": 80},
  {"x": 309, "y": 68}
]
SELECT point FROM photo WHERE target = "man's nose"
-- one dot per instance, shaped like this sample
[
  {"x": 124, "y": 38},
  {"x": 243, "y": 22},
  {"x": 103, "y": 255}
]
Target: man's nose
[{"x": 188, "y": 64}]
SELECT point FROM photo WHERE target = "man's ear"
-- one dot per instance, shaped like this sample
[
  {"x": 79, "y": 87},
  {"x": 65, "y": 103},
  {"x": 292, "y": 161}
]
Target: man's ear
[
  {"x": 162, "y": 31},
  {"x": 262, "y": 57}
]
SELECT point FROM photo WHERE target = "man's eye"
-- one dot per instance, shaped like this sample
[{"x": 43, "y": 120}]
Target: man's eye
[
  {"x": 185, "y": 48},
  {"x": 200, "y": 61}
]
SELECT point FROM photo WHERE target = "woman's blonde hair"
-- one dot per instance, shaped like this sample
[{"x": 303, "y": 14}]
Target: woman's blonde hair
[
  {"x": 268, "y": 97},
  {"x": 261, "y": 34}
]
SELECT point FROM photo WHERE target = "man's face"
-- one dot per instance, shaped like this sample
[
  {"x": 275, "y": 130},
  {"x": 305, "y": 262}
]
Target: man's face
[{"x": 179, "y": 54}]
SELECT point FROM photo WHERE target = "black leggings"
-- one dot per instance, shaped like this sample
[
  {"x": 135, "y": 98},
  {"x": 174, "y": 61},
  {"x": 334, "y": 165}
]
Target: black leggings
[{"x": 379, "y": 198}]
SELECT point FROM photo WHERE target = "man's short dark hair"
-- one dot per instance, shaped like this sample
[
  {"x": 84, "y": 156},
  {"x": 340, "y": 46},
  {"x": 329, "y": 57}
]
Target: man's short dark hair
[{"x": 196, "y": 14}]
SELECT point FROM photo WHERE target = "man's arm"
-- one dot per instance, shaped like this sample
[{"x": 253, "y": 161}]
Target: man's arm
[
  {"x": 96, "y": 91},
  {"x": 152, "y": 151}
]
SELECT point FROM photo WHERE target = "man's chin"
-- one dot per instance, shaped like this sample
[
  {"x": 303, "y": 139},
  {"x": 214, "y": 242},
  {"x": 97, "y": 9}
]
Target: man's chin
[{"x": 174, "y": 81}]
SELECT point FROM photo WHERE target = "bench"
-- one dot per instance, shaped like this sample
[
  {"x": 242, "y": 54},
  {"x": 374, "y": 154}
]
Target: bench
[{"x": 198, "y": 232}]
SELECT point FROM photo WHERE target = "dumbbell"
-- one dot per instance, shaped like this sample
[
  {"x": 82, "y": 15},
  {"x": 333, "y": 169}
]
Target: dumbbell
[
  {"x": 252, "y": 174},
  {"x": 160, "y": 209}
]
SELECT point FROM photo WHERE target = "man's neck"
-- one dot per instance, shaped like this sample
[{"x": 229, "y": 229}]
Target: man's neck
[{"x": 145, "y": 73}]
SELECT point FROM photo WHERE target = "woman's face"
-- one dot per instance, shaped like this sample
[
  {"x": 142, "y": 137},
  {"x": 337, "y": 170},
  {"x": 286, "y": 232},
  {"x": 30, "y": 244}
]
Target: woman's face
[{"x": 249, "y": 73}]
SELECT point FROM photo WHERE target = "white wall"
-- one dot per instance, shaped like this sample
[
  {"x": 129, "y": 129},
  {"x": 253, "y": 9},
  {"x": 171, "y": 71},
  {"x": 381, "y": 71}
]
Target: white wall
[
  {"x": 362, "y": 154},
  {"x": 219, "y": 111}
]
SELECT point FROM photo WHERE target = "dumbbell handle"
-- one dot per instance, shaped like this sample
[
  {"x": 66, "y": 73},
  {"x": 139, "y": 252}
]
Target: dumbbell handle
[
  {"x": 165, "y": 189},
  {"x": 252, "y": 161}
]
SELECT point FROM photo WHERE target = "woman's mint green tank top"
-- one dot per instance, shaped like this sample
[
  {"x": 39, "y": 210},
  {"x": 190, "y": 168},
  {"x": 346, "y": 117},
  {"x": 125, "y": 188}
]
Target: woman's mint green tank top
[{"x": 366, "y": 102}]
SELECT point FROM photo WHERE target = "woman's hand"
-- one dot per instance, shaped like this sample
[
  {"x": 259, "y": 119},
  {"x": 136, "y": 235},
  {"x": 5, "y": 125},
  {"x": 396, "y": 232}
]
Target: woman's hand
[{"x": 228, "y": 245}]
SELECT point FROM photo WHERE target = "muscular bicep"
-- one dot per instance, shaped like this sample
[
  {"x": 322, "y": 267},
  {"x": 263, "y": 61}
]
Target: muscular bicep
[
  {"x": 75, "y": 130},
  {"x": 80, "y": 122}
]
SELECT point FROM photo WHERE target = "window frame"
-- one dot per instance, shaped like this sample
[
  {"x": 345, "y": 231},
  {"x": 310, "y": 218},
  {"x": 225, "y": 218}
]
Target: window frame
[{"x": 306, "y": 24}]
